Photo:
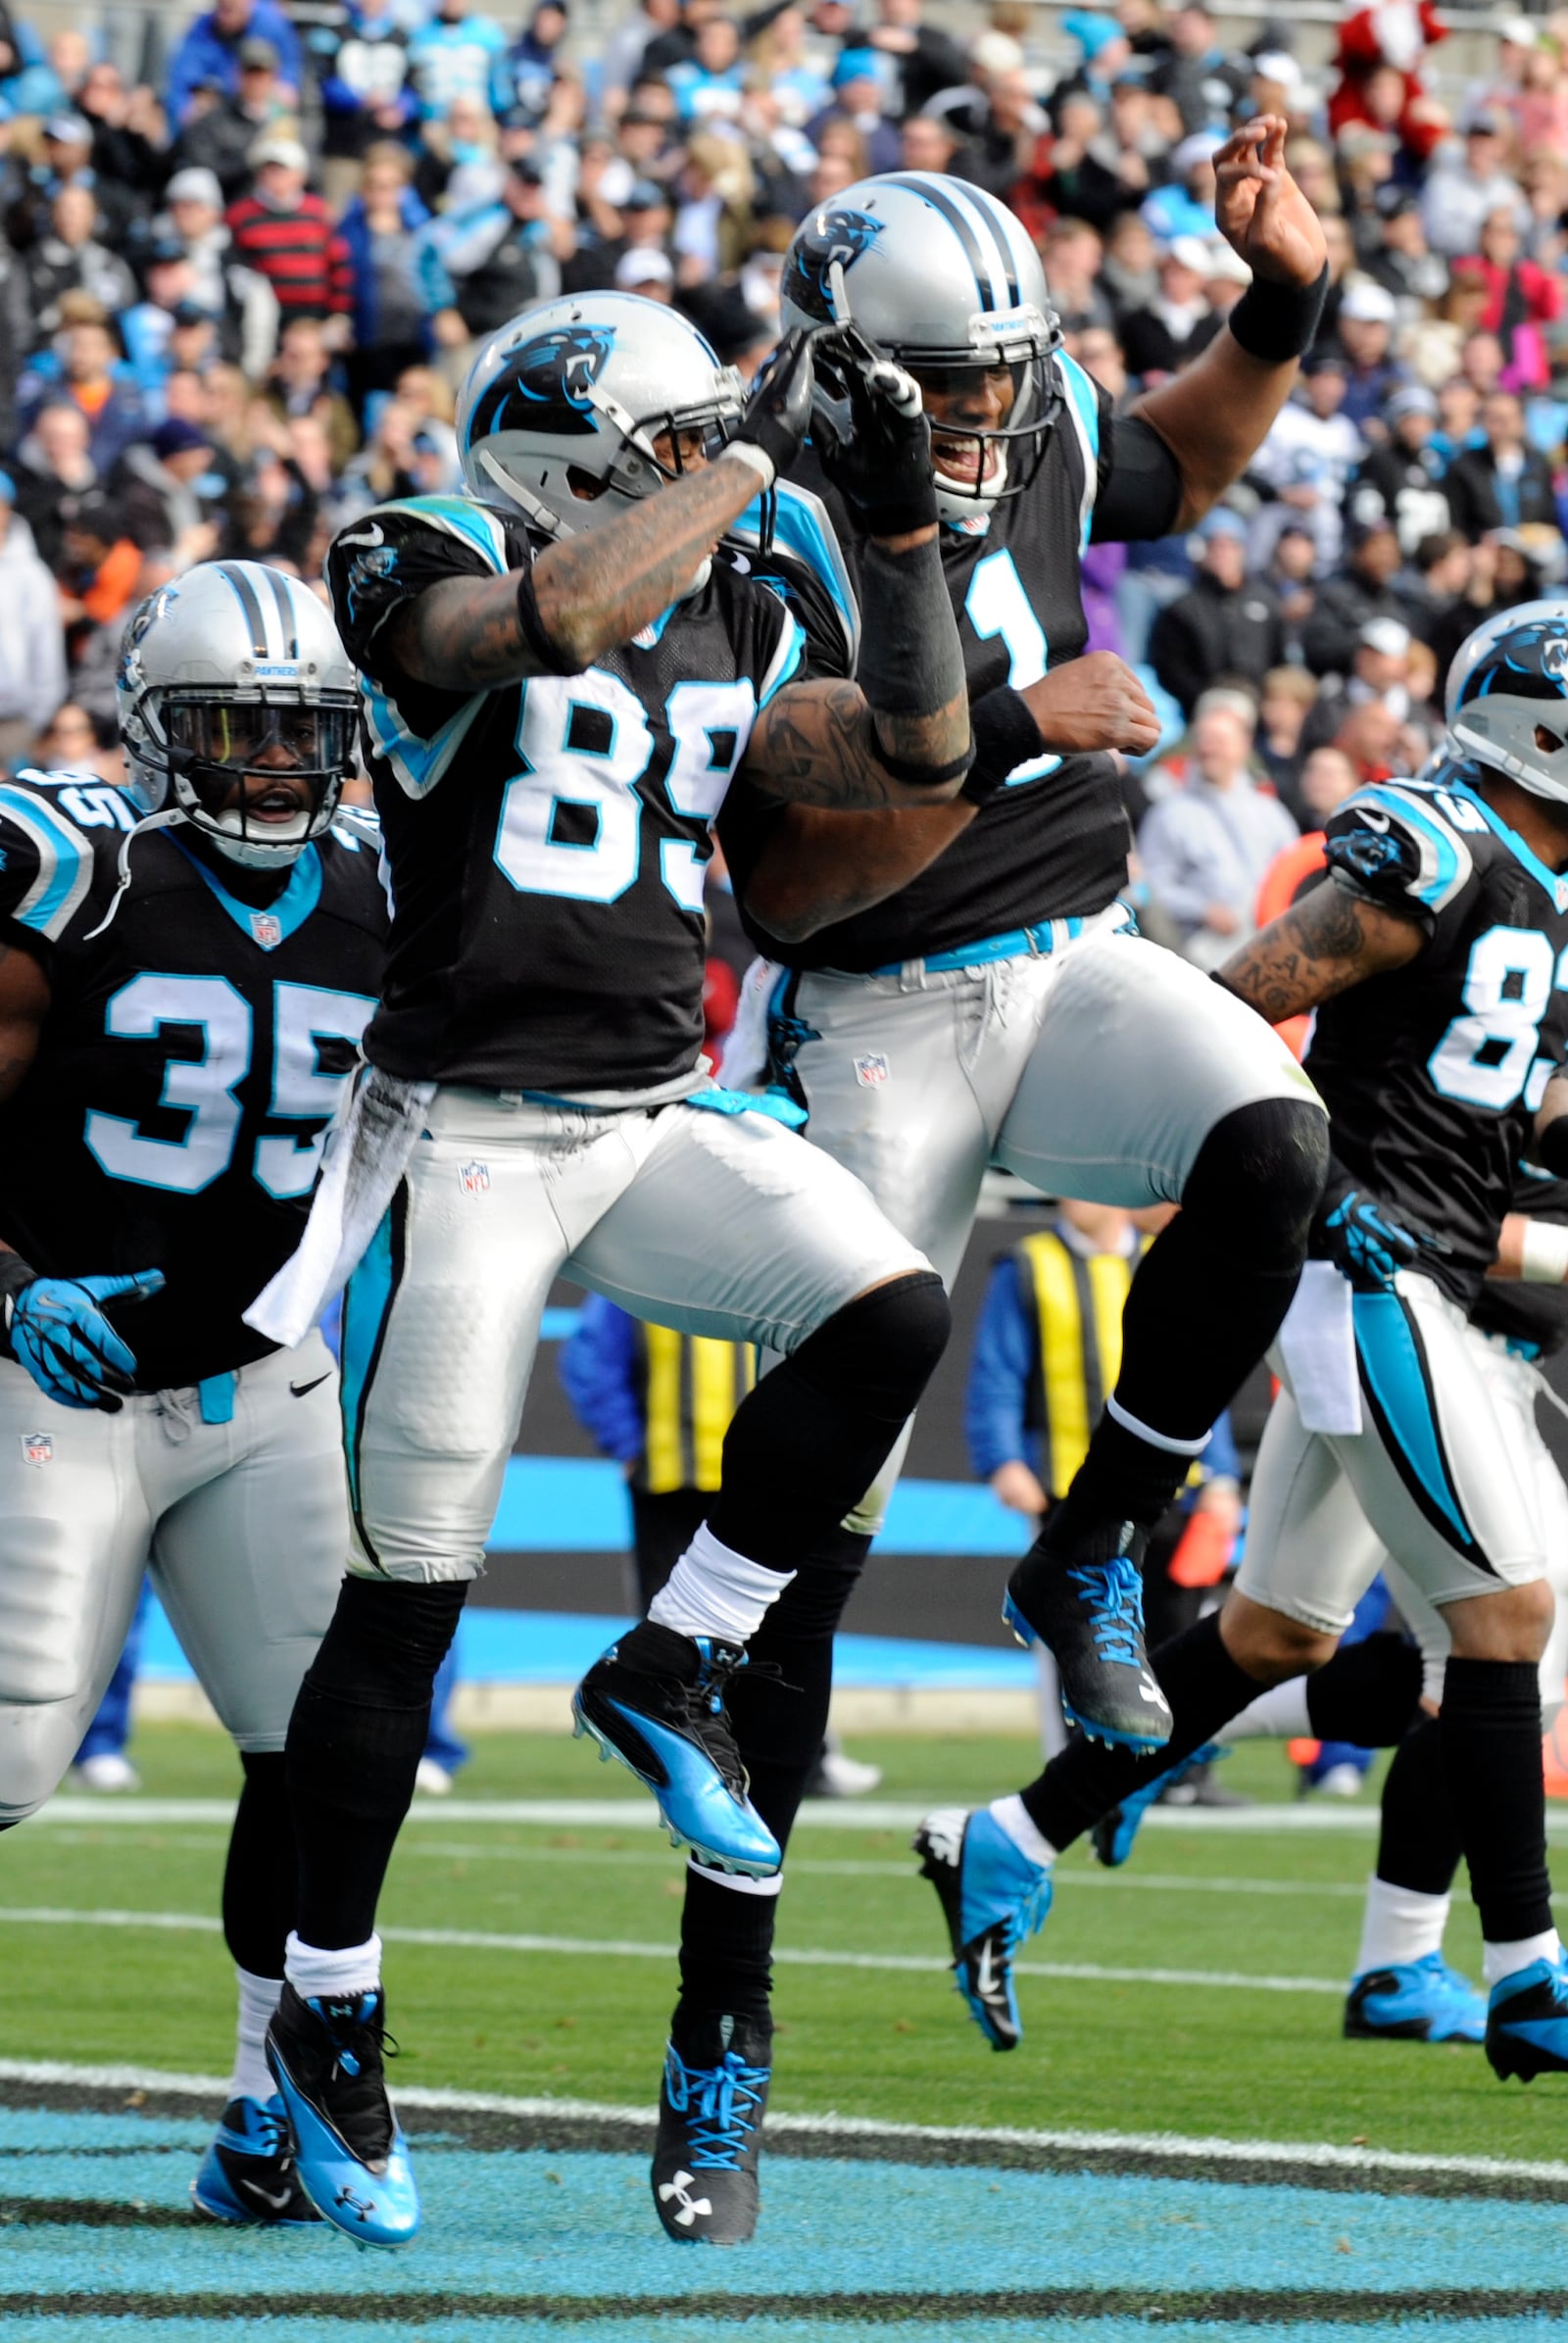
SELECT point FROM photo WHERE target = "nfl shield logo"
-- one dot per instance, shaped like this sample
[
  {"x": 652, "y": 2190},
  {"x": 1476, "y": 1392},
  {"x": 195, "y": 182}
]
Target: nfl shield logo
[
  {"x": 475, "y": 1178},
  {"x": 37, "y": 1448},
  {"x": 268, "y": 929},
  {"x": 871, "y": 1071}
]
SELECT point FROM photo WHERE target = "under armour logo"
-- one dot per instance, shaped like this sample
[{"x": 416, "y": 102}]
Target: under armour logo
[
  {"x": 346, "y": 2196},
  {"x": 944, "y": 1833},
  {"x": 689, "y": 2209}
]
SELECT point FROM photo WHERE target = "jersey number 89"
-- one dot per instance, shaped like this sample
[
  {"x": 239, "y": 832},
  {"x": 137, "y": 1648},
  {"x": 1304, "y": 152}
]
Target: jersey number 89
[{"x": 1488, "y": 1055}]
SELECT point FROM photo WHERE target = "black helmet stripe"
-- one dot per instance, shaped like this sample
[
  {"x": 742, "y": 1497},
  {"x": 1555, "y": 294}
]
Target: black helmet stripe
[
  {"x": 245, "y": 594},
  {"x": 961, "y": 229},
  {"x": 285, "y": 612}
]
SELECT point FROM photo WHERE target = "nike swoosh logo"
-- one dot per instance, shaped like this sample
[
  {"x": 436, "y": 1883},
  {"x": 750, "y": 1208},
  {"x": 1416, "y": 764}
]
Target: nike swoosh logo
[
  {"x": 373, "y": 535},
  {"x": 300, "y": 1390},
  {"x": 985, "y": 1975},
  {"x": 264, "y": 2196},
  {"x": 1373, "y": 821}
]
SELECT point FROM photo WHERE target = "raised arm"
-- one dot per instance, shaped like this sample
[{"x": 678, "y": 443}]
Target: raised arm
[
  {"x": 1215, "y": 413},
  {"x": 585, "y": 594},
  {"x": 1331, "y": 940}
]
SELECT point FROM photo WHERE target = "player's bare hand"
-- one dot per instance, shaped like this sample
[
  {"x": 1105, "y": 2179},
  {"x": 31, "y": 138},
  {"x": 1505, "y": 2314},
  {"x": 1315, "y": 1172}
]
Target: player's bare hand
[
  {"x": 1091, "y": 702},
  {"x": 1259, "y": 209}
]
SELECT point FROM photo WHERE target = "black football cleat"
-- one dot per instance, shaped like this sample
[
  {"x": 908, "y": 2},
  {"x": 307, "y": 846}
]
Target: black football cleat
[
  {"x": 247, "y": 2177},
  {"x": 1088, "y": 1610},
  {"x": 656, "y": 1700},
  {"x": 710, "y": 2109}
]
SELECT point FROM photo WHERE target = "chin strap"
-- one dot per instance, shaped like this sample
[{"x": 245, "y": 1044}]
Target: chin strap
[{"x": 163, "y": 820}]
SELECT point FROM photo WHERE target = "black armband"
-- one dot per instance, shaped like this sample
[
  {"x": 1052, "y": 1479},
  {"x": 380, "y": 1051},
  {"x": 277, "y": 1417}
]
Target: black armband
[
  {"x": 1277, "y": 322},
  {"x": 531, "y": 627},
  {"x": 1550, "y": 1151},
  {"x": 910, "y": 661},
  {"x": 16, "y": 1275},
  {"x": 924, "y": 776},
  {"x": 1005, "y": 736}
]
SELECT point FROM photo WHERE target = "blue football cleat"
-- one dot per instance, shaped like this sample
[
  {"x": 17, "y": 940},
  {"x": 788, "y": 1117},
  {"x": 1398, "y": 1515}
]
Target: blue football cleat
[
  {"x": 248, "y": 2174},
  {"x": 993, "y": 1898},
  {"x": 711, "y": 2110},
  {"x": 656, "y": 1700},
  {"x": 1415, "y": 2001},
  {"x": 1112, "y": 1836},
  {"x": 353, "y": 2161},
  {"x": 1088, "y": 1610},
  {"x": 1527, "y": 2020}
]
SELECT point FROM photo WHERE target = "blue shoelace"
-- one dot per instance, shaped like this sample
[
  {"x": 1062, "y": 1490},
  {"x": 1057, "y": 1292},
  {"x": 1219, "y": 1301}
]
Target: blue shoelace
[
  {"x": 1114, "y": 1592},
  {"x": 718, "y": 2103}
]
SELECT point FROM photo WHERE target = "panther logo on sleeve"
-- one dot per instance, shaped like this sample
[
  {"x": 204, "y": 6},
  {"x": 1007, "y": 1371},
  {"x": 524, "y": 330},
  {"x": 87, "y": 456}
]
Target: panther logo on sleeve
[{"x": 546, "y": 384}]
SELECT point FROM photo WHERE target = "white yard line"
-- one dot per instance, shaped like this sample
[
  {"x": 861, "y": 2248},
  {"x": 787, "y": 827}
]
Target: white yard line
[
  {"x": 1171, "y": 2146},
  {"x": 50, "y": 1916}
]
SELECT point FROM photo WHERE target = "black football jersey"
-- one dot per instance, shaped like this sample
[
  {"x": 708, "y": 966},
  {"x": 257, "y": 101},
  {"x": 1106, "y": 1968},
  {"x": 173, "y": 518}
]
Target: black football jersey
[
  {"x": 547, "y": 840},
  {"x": 1534, "y": 1314},
  {"x": 1055, "y": 841},
  {"x": 193, "y": 1055},
  {"x": 1431, "y": 1074}
]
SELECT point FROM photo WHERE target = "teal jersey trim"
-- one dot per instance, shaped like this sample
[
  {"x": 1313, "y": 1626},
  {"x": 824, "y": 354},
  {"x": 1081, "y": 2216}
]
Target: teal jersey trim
[
  {"x": 287, "y": 911},
  {"x": 1552, "y": 881},
  {"x": 1392, "y": 1365},
  {"x": 65, "y": 864}
]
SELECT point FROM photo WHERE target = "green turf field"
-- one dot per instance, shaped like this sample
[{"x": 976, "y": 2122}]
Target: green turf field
[{"x": 1130, "y": 2053}]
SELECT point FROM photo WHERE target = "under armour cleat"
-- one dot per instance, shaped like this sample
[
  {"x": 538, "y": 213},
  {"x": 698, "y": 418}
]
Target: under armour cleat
[
  {"x": 353, "y": 2161},
  {"x": 1415, "y": 2001},
  {"x": 1088, "y": 1610},
  {"x": 1112, "y": 1836},
  {"x": 1527, "y": 2020},
  {"x": 248, "y": 2174},
  {"x": 656, "y": 1700},
  {"x": 711, "y": 2112},
  {"x": 993, "y": 1898}
]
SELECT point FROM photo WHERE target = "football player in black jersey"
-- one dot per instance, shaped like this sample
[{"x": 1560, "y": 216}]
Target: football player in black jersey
[
  {"x": 1434, "y": 957},
  {"x": 179, "y": 1016},
  {"x": 560, "y": 683}
]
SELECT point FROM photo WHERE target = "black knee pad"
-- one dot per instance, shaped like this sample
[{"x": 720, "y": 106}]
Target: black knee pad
[
  {"x": 881, "y": 1350},
  {"x": 387, "y": 1641},
  {"x": 1258, "y": 1179}
]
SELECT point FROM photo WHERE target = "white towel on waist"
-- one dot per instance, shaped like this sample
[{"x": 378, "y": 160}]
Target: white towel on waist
[
  {"x": 743, "y": 1059},
  {"x": 366, "y": 1154}
]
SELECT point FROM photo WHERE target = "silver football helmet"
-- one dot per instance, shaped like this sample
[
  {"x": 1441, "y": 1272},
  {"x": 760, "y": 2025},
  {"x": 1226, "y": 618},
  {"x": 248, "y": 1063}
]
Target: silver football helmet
[
  {"x": 562, "y": 407},
  {"x": 1507, "y": 696},
  {"x": 944, "y": 279},
  {"x": 219, "y": 671}
]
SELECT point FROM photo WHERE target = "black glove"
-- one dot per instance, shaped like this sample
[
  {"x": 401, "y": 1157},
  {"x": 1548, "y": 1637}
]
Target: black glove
[
  {"x": 1367, "y": 1241},
  {"x": 778, "y": 413},
  {"x": 873, "y": 437}
]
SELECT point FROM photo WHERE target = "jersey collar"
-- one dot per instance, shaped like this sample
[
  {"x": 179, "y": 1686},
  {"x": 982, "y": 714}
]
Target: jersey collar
[
  {"x": 268, "y": 924},
  {"x": 1555, "y": 882}
]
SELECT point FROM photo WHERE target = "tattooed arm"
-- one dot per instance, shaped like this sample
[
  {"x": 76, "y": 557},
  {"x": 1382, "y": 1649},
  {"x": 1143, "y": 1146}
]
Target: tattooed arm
[
  {"x": 1331, "y": 940},
  {"x": 824, "y": 744},
  {"x": 23, "y": 1007},
  {"x": 590, "y": 592},
  {"x": 819, "y": 867}
]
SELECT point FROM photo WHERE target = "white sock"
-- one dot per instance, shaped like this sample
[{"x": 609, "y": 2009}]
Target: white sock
[
  {"x": 356, "y": 1969},
  {"x": 1499, "y": 1961},
  {"x": 1398, "y": 1925},
  {"x": 714, "y": 1591},
  {"x": 1012, "y": 1816},
  {"x": 258, "y": 1998},
  {"x": 1277, "y": 1715}
]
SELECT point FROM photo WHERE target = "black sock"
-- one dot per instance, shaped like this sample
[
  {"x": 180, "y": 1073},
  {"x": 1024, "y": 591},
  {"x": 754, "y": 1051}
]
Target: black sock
[
  {"x": 1418, "y": 1844},
  {"x": 262, "y": 1876},
  {"x": 355, "y": 1742},
  {"x": 1206, "y": 1689},
  {"x": 1490, "y": 1727},
  {"x": 803, "y": 1447},
  {"x": 1369, "y": 1692},
  {"x": 779, "y": 1720}
]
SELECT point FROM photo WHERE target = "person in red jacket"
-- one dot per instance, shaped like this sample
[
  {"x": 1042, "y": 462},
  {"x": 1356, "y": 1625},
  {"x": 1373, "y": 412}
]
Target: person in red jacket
[
  {"x": 285, "y": 232},
  {"x": 1390, "y": 34},
  {"x": 1523, "y": 298}
]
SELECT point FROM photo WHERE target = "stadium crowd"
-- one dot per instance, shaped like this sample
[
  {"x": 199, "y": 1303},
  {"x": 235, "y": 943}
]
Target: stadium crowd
[{"x": 237, "y": 301}]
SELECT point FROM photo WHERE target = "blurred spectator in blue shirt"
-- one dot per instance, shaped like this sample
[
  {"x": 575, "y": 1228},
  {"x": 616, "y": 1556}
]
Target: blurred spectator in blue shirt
[{"x": 211, "y": 50}]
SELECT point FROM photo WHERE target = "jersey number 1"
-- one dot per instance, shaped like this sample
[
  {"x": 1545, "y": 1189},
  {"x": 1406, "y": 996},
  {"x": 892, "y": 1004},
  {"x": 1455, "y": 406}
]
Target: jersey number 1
[{"x": 997, "y": 604}]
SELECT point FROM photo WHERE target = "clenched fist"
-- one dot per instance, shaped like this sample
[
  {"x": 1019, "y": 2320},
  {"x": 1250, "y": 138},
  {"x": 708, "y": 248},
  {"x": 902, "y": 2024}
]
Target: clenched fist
[{"x": 1091, "y": 702}]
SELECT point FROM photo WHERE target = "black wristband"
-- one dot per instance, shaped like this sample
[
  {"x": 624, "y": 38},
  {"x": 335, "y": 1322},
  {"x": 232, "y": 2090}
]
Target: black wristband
[
  {"x": 530, "y": 626},
  {"x": 16, "y": 1275},
  {"x": 1278, "y": 323},
  {"x": 1005, "y": 736}
]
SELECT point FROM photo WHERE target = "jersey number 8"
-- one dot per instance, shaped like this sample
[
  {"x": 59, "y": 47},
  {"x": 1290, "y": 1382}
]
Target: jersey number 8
[{"x": 1488, "y": 1056}]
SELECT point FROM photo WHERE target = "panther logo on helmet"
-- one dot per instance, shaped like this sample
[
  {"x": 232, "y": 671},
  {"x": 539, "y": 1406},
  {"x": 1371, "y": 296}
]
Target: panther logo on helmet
[
  {"x": 550, "y": 378},
  {"x": 839, "y": 235},
  {"x": 1530, "y": 661}
]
